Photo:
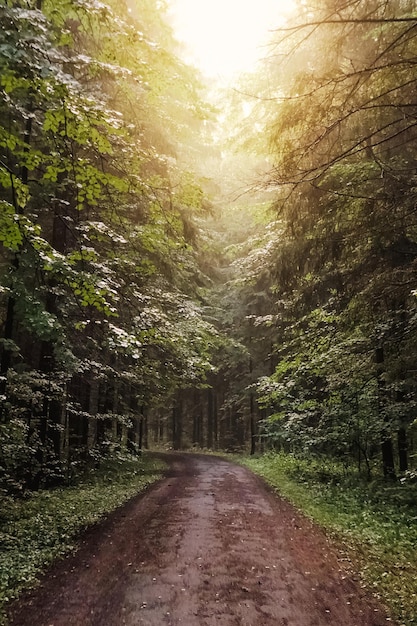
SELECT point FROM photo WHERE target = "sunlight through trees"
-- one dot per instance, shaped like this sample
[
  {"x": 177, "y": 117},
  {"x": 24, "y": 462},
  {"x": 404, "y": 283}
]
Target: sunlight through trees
[{"x": 222, "y": 268}]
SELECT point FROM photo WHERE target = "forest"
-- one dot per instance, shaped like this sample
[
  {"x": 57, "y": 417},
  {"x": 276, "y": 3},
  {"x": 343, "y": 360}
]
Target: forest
[
  {"x": 181, "y": 267},
  {"x": 164, "y": 287}
]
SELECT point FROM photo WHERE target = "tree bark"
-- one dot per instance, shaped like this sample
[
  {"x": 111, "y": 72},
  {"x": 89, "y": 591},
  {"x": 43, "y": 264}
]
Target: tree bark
[
  {"x": 93, "y": 410},
  {"x": 252, "y": 413},
  {"x": 402, "y": 449},
  {"x": 177, "y": 424},
  {"x": 6, "y": 355},
  {"x": 252, "y": 425},
  {"x": 387, "y": 449},
  {"x": 210, "y": 418}
]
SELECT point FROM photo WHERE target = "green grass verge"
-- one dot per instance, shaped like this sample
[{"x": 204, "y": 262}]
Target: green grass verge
[
  {"x": 375, "y": 524},
  {"x": 36, "y": 530}
]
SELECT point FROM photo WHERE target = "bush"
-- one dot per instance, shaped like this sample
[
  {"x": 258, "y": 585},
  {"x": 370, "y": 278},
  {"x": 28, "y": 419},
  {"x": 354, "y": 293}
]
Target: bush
[{"x": 36, "y": 529}]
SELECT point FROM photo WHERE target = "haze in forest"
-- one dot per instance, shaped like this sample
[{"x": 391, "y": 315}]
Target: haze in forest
[{"x": 224, "y": 38}]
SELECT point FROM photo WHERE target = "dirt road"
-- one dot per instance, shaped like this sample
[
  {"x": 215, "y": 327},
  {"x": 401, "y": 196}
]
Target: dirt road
[{"x": 209, "y": 545}]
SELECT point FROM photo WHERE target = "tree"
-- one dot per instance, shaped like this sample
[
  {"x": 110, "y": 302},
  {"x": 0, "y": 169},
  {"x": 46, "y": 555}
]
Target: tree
[
  {"x": 342, "y": 130},
  {"x": 99, "y": 259}
]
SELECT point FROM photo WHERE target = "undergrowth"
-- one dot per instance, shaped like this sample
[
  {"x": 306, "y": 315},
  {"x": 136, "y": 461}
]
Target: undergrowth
[
  {"x": 37, "y": 529},
  {"x": 374, "y": 522}
]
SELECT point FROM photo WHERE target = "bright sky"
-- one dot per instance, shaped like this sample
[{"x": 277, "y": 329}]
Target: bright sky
[{"x": 224, "y": 37}]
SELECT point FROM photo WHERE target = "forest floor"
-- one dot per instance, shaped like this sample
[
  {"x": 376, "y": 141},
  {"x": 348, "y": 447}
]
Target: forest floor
[{"x": 208, "y": 545}]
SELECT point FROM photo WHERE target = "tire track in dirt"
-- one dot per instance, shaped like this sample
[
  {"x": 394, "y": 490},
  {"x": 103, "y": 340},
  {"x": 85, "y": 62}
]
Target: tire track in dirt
[{"x": 209, "y": 545}]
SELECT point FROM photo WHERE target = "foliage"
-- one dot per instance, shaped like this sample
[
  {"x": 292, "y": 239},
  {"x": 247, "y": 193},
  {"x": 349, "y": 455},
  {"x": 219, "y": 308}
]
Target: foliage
[
  {"x": 330, "y": 286},
  {"x": 100, "y": 260},
  {"x": 373, "y": 521},
  {"x": 37, "y": 529}
]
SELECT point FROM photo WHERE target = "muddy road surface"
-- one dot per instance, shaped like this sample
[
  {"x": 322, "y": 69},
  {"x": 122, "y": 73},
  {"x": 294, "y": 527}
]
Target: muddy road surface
[{"x": 209, "y": 545}]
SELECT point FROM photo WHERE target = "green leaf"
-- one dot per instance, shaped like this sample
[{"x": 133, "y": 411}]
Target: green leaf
[{"x": 10, "y": 234}]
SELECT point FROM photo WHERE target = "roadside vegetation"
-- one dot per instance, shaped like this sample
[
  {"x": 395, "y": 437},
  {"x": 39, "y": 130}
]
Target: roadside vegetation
[
  {"x": 374, "y": 522},
  {"x": 36, "y": 529}
]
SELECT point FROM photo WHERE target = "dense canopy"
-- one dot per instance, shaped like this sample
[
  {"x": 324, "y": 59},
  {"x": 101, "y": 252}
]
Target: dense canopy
[{"x": 183, "y": 269}]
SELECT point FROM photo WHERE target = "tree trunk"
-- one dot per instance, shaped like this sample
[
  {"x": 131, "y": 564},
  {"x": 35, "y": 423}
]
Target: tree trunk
[
  {"x": 215, "y": 422},
  {"x": 252, "y": 413},
  {"x": 403, "y": 449},
  {"x": 210, "y": 418},
  {"x": 6, "y": 355},
  {"x": 252, "y": 425},
  {"x": 161, "y": 429},
  {"x": 141, "y": 424},
  {"x": 177, "y": 424},
  {"x": 197, "y": 422},
  {"x": 388, "y": 458},
  {"x": 198, "y": 418},
  {"x": 93, "y": 410},
  {"x": 387, "y": 448}
]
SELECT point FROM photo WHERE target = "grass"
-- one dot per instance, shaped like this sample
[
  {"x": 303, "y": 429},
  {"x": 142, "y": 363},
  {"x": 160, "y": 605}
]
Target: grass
[
  {"x": 374, "y": 523},
  {"x": 36, "y": 530}
]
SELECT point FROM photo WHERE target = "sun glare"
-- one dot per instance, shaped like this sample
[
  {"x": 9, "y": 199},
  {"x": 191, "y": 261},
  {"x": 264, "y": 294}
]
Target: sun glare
[{"x": 224, "y": 37}]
